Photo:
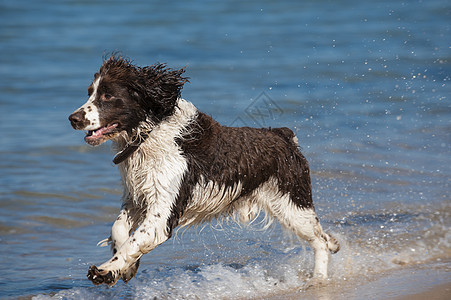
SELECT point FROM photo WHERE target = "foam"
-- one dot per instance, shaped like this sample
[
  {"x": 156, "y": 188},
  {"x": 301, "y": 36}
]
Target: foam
[{"x": 372, "y": 244}]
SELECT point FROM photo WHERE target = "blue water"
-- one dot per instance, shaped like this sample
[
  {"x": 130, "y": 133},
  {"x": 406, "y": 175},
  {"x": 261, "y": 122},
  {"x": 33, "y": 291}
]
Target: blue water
[{"x": 365, "y": 84}]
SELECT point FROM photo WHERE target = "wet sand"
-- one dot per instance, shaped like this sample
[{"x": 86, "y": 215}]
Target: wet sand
[
  {"x": 436, "y": 292},
  {"x": 429, "y": 281}
]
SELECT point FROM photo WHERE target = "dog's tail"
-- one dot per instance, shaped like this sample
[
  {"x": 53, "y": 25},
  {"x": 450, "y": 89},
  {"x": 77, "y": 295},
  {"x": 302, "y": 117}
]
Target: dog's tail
[{"x": 287, "y": 134}]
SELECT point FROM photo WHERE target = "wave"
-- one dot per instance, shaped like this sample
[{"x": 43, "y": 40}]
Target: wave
[{"x": 373, "y": 243}]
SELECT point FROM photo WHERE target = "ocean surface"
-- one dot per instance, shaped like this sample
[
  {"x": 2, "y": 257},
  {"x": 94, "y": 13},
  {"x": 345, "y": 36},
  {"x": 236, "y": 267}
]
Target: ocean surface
[{"x": 364, "y": 84}]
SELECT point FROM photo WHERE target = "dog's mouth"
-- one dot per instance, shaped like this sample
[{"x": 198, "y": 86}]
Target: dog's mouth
[{"x": 101, "y": 135}]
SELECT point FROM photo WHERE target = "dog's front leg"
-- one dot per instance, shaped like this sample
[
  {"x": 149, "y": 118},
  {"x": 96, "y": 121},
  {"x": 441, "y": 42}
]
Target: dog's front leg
[
  {"x": 152, "y": 232},
  {"x": 125, "y": 223},
  {"x": 120, "y": 232}
]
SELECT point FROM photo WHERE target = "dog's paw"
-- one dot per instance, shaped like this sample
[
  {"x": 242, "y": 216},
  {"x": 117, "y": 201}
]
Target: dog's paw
[
  {"x": 333, "y": 245},
  {"x": 314, "y": 283},
  {"x": 99, "y": 276},
  {"x": 131, "y": 272}
]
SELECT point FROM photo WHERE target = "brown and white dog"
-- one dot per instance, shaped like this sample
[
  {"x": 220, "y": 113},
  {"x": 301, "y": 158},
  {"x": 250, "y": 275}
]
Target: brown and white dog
[{"x": 179, "y": 167}]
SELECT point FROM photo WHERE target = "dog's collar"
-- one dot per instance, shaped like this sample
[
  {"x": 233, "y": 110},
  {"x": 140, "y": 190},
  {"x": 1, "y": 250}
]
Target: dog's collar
[{"x": 130, "y": 149}]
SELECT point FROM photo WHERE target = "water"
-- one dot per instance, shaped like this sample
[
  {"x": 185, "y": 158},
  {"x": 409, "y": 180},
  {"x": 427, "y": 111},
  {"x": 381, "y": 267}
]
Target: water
[{"x": 365, "y": 84}]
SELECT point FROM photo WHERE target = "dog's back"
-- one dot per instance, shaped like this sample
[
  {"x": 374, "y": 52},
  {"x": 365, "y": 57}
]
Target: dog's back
[{"x": 250, "y": 156}]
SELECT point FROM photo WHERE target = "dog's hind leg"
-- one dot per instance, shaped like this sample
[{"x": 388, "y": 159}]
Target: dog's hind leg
[
  {"x": 321, "y": 242},
  {"x": 305, "y": 224}
]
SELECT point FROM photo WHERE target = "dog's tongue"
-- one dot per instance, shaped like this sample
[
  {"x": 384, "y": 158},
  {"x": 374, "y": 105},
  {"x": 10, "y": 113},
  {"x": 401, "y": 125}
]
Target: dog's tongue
[
  {"x": 99, "y": 132},
  {"x": 94, "y": 135}
]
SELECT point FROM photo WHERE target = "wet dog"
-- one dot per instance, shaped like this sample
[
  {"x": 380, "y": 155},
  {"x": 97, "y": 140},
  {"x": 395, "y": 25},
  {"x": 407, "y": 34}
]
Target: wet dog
[{"x": 179, "y": 167}]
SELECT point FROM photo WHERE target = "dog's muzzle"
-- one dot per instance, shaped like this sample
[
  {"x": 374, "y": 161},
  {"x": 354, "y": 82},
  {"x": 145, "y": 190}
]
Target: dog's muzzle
[{"x": 78, "y": 120}]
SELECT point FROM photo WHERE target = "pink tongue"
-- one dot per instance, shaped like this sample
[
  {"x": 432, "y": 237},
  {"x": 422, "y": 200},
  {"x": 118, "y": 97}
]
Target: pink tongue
[{"x": 101, "y": 131}]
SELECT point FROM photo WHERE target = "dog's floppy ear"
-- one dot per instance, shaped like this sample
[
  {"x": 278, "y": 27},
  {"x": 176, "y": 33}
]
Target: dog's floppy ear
[{"x": 161, "y": 88}]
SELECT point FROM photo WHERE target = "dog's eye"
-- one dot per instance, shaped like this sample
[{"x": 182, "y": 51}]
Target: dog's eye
[{"x": 107, "y": 97}]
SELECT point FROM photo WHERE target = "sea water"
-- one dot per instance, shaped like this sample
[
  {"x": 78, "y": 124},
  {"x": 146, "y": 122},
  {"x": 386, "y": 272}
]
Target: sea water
[{"x": 364, "y": 84}]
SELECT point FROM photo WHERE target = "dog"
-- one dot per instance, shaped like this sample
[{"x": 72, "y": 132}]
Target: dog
[{"x": 179, "y": 167}]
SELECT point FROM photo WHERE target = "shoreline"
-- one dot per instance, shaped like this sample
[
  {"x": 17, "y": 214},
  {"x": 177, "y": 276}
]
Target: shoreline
[
  {"x": 434, "y": 292},
  {"x": 424, "y": 281}
]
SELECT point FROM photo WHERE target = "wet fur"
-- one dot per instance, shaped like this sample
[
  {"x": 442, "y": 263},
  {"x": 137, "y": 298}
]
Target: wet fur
[{"x": 187, "y": 169}]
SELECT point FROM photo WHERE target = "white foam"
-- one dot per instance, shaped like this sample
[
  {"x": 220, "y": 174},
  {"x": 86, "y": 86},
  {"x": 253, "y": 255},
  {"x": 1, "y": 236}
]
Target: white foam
[{"x": 371, "y": 245}]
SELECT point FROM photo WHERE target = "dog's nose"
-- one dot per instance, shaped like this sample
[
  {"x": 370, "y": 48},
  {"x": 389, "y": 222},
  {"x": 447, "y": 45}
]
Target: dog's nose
[{"x": 77, "y": 119}]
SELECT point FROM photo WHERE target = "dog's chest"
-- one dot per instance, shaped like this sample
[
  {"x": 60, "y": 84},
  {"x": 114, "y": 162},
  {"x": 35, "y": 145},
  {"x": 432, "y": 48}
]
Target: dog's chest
[{"x": 153, "y": 173}]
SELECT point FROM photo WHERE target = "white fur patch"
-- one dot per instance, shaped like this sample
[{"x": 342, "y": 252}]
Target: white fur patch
[
  {"x": 210, "y": 200},
  {"x": 91, "y": 110}
]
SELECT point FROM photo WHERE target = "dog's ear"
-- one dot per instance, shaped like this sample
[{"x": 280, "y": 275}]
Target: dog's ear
[{"x": 162, "y": 87}]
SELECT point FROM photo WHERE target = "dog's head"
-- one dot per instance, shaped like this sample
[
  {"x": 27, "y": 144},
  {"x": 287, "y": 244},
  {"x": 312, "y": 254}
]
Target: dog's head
[{"x": 122, "y": 96}]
